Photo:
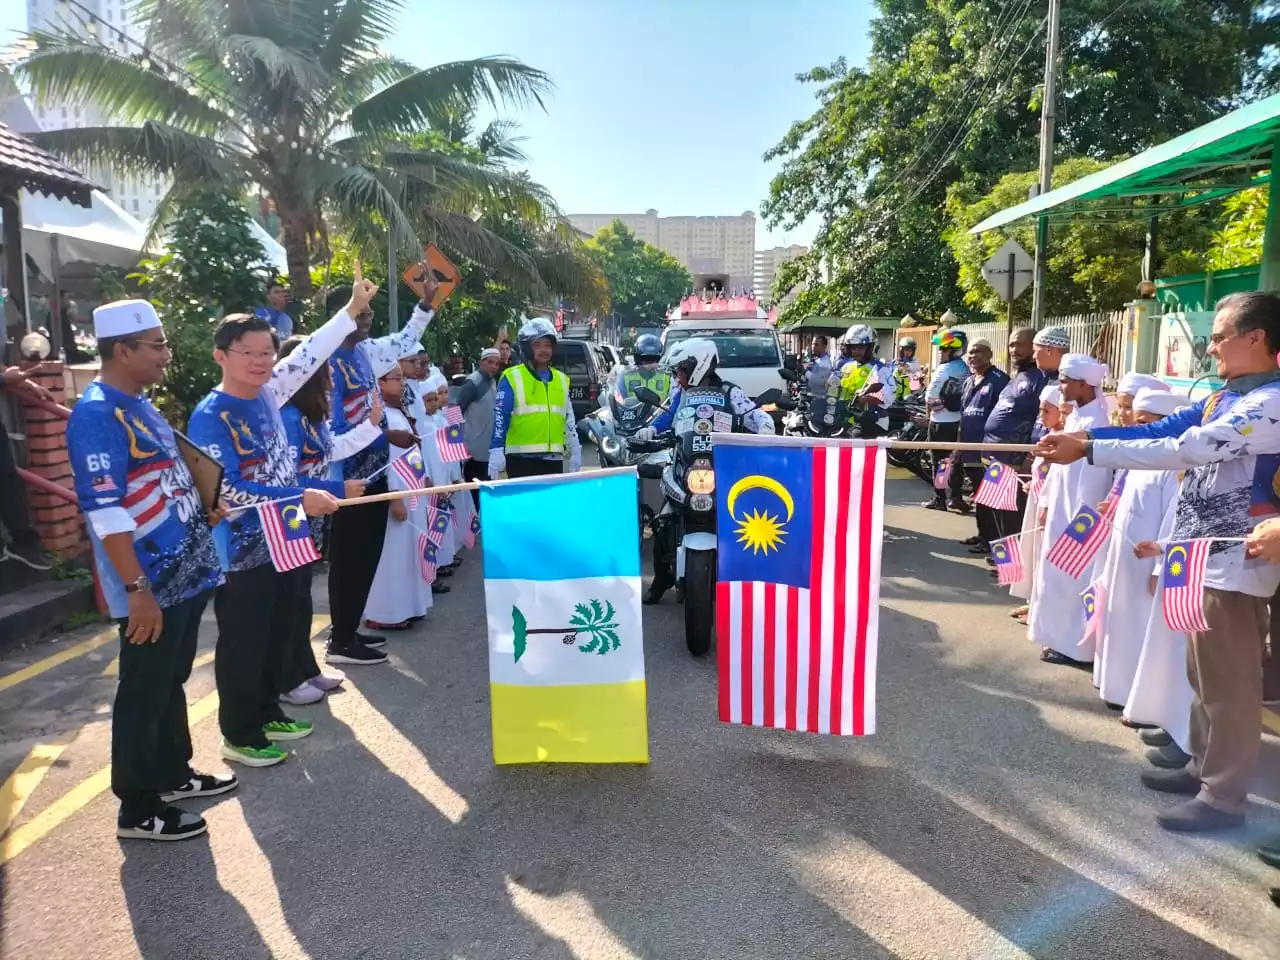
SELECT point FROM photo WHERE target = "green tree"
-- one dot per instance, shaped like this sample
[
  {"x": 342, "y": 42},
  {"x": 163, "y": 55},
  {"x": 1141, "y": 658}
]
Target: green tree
[
  {"x": 1239, "y": 242},
  {"x": 644, "y": 282},
  {"x": 950, "y": 95},
  {"x": 213, "y": 266},
  {"x": 297, "y": 97}
]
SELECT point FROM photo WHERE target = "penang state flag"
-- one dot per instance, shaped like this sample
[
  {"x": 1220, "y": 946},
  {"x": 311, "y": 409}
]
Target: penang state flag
[
  {"x": 1007, "y": 555},
  {"x": 1183, "y": 580},
  {"x": 566, "y": 649},
  {"x": 1077, "y": 545},
  {"x": 288, "y": 535},
  {"x": 999, "y": 488},
  {"x": 450, "y": 443},
  {"x": 797, "y": 603}
]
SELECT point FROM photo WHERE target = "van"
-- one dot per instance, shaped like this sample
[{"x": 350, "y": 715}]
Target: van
[{"x": 750, "y": 355}]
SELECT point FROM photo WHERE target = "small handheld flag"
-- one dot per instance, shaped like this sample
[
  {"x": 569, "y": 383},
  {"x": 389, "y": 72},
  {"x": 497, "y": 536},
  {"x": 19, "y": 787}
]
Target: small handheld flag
[
  {"x": 1077, "y": 545},
  {"x": 449, "y": 441},
  {"x": 942, "y": 473},
  {"x": 1107, "y": 509},
  {"x": 288, "y": 535},
  {"x": 410, "y": 468},
  {"x": 1007, "y": 554},
  {"x": 426, "y": 558},
  {"x": 453, "y": 414},
  {"x": 1183, "y": 580},
  {"x": 473, "y": 531},
  {"x": 1039, "y": 475},
  {"x": 1094, "y": 599},
  {"x": 437, "y": 524},
  {"x": 999, "y": 489}
]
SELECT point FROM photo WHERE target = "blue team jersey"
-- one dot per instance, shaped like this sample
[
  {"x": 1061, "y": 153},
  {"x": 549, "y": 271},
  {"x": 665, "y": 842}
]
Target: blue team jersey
[
  {"x": 354, "y": 389},
  {"x": 248, "y": 438},
  {"x": 129, "y": 472},
  {"x": 310, "y": 446}
]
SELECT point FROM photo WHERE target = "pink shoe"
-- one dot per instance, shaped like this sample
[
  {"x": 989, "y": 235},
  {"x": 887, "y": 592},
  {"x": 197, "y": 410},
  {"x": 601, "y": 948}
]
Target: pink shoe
[{"x": 327, "y": 681}]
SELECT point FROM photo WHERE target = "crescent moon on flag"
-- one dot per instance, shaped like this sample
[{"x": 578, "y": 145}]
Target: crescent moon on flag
[
  {"x": 1087, "y": 520},
  {"x": 294, "y": 520},
  {"x": 1173, "y": 553},
  {"x": 757, "y": 482}
]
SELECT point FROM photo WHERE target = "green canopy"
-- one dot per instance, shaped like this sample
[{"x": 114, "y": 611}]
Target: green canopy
[
  {"x": 1231, "y": 154},
  {"x": 827, "y": 324}
]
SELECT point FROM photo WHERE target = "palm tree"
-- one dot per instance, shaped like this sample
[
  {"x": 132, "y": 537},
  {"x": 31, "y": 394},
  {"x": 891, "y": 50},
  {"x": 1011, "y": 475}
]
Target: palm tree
[{"x": 296, "y": 97}]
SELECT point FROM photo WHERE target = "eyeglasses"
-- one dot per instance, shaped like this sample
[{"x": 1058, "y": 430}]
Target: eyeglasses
[
  {"x": 153, "y": 344},
  {"x": 264, "y": 355}
]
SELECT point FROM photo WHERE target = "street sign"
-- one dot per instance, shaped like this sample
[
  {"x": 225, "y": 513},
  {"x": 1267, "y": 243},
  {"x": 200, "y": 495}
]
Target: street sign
[{"x": 1010, "y": 270}]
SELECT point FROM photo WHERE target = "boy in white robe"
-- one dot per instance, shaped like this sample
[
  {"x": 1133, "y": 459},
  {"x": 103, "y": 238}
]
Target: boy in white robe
[
  {"x": 1056, "y": 620},
  {"x": 1143, "y": 500},
  {"x": 1052, "y": 417}
]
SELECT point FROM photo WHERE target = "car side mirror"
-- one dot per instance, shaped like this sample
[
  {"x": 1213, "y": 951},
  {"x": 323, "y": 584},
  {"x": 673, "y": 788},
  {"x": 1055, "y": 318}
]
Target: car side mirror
[{"x": 648, "y": 396}]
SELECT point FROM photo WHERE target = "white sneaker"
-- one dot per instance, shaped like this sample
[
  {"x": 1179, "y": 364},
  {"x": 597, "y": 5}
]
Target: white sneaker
[{"x": 303, "y": 694}]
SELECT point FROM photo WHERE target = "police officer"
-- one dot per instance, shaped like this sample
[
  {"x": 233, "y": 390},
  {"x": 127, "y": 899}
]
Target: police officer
[{"x": 647, "y": 371}]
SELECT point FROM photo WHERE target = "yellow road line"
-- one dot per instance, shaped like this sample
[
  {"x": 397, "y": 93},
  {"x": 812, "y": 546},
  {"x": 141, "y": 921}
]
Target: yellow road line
[
  {"x": 62, "y": 656},
  {"x": 24, "y": 780},
  {"x": 1271, "y": 720},
  {"x": 112, "y": 669}
]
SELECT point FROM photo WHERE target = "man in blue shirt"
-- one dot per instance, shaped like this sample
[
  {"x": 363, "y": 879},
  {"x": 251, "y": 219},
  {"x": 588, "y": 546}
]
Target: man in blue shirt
[
  {"x": 157, "y": 566},
  {"x": 981, "y": 392},
  {"x": 274, "y": 312}
]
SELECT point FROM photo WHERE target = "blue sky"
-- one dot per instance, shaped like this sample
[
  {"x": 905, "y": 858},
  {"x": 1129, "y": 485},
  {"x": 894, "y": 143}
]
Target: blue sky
[{"x": 666, "y": 104}]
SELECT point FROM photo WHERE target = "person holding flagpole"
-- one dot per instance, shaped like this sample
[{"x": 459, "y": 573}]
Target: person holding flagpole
[
  {"x": 157, "y": 565},
  {"x": 240, "y": 425},
  {"x": 1228, "y": 444}
]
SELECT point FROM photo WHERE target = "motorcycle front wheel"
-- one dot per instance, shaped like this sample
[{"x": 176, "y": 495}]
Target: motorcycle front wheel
[{"x": 699, "y": 600}]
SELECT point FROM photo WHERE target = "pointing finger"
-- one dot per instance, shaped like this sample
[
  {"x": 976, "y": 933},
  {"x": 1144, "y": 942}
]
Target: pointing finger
[{"x": 359, "y": 277}]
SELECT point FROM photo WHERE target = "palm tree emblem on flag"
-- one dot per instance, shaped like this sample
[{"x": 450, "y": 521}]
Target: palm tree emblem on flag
[{"x": 594, "y": 619}]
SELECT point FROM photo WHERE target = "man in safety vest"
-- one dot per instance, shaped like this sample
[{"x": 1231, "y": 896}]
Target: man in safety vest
[
  {"x": 532, "y": 416},
  {"x": 858, "y": 377},
  {"x": 906, "y": 370},
  {"x": 646, "y": 372}
]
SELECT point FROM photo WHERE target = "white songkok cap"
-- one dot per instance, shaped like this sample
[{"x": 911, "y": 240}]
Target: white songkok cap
[
  {"x": 1160, "y": 402},
  {"x": 1053, "y": 337},
  {"x": 124, "y": 318},
  {"x": 489, "y": 352},
  {"x": 1081, "y": 366},
  {"x": 435, "y": 381},
  {"x": 1052, "y": 395},
  {"x": 1131, "y": 383}
]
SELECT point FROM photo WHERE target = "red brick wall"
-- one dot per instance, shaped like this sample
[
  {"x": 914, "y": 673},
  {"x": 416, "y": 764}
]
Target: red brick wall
[{"x": 58, "y": 521}]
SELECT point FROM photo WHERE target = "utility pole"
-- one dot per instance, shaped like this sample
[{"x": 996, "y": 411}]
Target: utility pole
[
  {"x": 1047, "y": 105},
  {"x": 393, "y": 282}
]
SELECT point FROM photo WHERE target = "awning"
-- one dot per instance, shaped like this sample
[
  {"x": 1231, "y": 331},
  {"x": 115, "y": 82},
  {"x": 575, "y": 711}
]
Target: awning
[
  {"x": 1223, "y": 157},
  {"x": 827, "y": 324}
]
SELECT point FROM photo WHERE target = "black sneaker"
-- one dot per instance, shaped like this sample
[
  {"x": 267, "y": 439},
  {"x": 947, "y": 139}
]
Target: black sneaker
[
  {"x": 371, "y": 639},
  {"x": 202, "y": 785},
  {"x": 444, "y": 572},
  {"x": 31, "y": 555},
  {"x": 171, "y": 823},
  {"x": 355, "y": 653}
]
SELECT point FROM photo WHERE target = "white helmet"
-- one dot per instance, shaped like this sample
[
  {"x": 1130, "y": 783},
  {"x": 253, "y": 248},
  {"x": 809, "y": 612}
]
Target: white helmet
[
  {"x": 537, "y": 328},
  {"x": 697, "y": 356},
  {"x": 906, "y": 342},
  {"x": 859, "y": 335}
]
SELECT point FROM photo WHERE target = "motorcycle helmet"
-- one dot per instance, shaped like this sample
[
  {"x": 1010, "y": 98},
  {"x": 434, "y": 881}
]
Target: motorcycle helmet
[
  {"x": 648, "y": 349},
  {"x": 951, "y": 338},
  {"x": 536, "y": 328},
  {"x": 859, "y": 335},
  {"x": 697, "y": 357},
  {"x": 907, "y": 343}
]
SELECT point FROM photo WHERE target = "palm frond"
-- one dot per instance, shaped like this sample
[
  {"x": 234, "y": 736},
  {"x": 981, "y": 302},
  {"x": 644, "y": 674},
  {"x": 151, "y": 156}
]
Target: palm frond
[
  {"x": 498, "y": 142},
  {"x": 425, "y": 97},
  {"x": 282, "y": 65},
  {"x": 153, "y": 148},
  {"x": 359, "y": 82},
  {"x": 357, "y": 193},
  {"x": 356, "y": 33}
]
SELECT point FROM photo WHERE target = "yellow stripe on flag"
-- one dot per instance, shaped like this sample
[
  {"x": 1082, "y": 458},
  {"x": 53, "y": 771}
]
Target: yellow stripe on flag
[{"x": 580, "y": 723}]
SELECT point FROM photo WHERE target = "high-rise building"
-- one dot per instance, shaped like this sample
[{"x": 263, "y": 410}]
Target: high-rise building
[
  {"x": 768, "y": 262},
  {"x": 719, "y": 250},
  {"x": 138, "y": 195}
]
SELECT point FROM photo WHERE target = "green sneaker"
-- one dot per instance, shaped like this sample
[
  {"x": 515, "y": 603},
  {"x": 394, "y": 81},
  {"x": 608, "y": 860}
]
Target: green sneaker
[
  {"x": 267, "y": 756},
  {"x": 288, "y": 729}
]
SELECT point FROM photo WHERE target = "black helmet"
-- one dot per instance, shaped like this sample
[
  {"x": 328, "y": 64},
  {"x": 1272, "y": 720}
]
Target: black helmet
[{"x": 648, "y": 347}]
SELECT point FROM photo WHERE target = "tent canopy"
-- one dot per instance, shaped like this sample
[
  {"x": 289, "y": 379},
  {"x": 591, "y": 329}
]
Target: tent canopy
[
  {"x": 1230, "y": 154},
  {"x": 838, "y": 324}
]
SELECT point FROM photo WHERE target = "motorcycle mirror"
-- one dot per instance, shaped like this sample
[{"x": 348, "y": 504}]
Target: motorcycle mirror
[
  {"x": 772, "y": 395},
  {"x": 648, "y": 396},
  {"x": 790, "y": 375},
  {"x": 791, "y": 362}
]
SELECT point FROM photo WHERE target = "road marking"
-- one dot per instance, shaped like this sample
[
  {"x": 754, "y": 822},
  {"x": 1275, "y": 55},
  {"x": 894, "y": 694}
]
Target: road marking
[
  {"x": 112, "y": 669},
  {"x": 24, "y": 780},
  {"x": 1271, "y": 720},
  {"x": 62, "y": 656}
]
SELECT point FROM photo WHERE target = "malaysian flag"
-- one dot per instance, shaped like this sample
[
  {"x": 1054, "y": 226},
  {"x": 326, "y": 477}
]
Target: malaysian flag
[
  {"x": 797, "y": 602},
  {"x": 1039, "y": 476},
  {"x": 942, "y": 473},
  {"x": 473, "y": 531},
  {"x": 410, "y": 468},
  {"x": 450, "y": 443},
  {"x": 1094, "y": 600},
  {"x": 1007, "y": 555},
  {"x": 1077, "y": 545},
  {"x": 453, "y": 414},
  {"x": 437, "y": 524},
  {"x": 426, "y": 558},
  {"x": 999, "y": 489},
  {"x": 1183, "y": 579},
  {"x": 288, "y": 535},
  {"x": 1107, "y": 509}
]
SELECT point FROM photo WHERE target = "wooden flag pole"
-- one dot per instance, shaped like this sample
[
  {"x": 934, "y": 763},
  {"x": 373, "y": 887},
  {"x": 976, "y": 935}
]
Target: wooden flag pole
[{"x": 475, "y": 485}]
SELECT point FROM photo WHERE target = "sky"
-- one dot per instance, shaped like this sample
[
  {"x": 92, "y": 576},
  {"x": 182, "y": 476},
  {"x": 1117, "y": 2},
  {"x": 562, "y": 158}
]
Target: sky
[{"x": 658, "y": 104}]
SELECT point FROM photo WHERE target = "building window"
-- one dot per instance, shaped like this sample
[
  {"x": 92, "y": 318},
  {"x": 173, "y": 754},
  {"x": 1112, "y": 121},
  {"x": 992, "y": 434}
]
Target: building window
[{"x": 135, "y": 204}]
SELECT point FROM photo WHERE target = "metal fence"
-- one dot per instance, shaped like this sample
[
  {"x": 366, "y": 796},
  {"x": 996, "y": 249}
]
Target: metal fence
[{"x": 1101, "y": 335}]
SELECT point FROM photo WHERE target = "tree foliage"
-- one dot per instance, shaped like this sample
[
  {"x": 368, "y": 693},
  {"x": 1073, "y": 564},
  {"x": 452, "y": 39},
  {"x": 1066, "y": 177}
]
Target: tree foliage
[
  {"x": 950, "y": 96},
  {"x": 1239, "y": 241},
  {"x": 644, "y": 282},
  {"x": 213, "y": 266}
]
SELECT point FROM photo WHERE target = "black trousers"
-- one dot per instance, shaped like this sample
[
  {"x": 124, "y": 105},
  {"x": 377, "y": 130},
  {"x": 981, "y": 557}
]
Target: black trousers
[
  {"x": 355, "y": 546},
  {"x": 475, "y": 470},
  {"x": 13, "y": 498},
  {"x": 946, "y": 433},
  {"x": 255, "y": 610},
  {"x": 983, "y": 514},
  {"x": 518, "y": 466},
  {"x": 1005, "y": 523},
  {"x": 150, "y": 740},
  {"x": 299, "y": 661}
]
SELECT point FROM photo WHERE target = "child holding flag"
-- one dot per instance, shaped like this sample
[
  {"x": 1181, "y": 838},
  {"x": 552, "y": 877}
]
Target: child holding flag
[
  {"x": 1053, "y": 414},
  {"x": 239, "y": 424}
]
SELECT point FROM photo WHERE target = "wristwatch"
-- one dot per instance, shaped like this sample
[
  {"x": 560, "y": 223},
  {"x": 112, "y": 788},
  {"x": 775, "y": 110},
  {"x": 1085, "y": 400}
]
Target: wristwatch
[{"x": 141, "y": 585}]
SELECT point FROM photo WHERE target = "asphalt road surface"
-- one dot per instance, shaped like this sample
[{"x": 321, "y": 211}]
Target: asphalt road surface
[{"x": 996, "y": 813}]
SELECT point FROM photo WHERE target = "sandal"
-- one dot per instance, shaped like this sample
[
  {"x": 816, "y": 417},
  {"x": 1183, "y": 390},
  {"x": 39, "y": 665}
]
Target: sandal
[{"x": 1021, "y": 613}]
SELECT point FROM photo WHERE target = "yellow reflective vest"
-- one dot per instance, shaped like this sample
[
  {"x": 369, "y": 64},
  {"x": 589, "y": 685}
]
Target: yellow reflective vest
[{"x": 538, "y": 415}]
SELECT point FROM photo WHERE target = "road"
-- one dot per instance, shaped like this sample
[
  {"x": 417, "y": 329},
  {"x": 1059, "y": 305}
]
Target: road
[{"x": 996, "y": 814}]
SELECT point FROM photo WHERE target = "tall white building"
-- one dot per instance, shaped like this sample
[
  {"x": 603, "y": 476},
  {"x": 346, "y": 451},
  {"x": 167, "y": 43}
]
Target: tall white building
[
  {"x": 709, "y": 247},
  {"x": 768, "y": 262},
  {"x": 137, "y": 195}
]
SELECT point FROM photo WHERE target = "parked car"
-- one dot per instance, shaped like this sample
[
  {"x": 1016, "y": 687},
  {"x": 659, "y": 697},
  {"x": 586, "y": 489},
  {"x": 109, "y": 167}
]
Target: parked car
[{"x": 587, "y": 370}]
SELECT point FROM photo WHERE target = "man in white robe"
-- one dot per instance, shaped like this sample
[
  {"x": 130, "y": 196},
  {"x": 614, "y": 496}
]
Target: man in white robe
[
  {"x": 1143, "y": 499},
  {"x": 1056, "y": 620}
]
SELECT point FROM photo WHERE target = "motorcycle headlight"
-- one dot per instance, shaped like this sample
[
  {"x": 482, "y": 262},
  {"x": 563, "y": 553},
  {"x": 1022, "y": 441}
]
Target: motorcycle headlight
[
  {"x": 701, "y": 481},
  {"x": 610, "y": 446},
  {"x": 701, "y": 501}
]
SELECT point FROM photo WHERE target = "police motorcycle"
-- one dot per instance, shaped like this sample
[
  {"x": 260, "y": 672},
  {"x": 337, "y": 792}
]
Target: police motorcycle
[{"x": 685, "y": 528}]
